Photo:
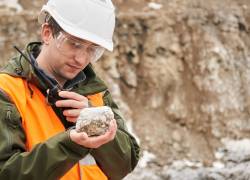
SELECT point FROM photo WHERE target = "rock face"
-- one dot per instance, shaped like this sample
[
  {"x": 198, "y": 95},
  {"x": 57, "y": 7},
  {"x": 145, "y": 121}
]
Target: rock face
[
  {"x": 180, "y": 72},
  {"x": 94, "y": 121}
]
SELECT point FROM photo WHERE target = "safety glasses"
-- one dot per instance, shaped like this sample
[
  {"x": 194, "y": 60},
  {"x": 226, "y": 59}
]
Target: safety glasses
[{"x": 70, "y": 47}]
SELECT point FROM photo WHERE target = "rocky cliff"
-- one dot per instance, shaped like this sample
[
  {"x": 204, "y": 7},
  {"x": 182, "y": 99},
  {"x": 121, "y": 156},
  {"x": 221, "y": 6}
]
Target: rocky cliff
[{"x": 180, "y": 72}]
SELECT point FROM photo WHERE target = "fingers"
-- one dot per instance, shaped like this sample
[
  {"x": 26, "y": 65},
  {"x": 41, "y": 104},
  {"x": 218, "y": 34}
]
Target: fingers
[
  {"x": 78, "y": 137},
  {"x": 72, "y": 112},
  {"x": 108, "y": 136},
  {"x": 72, "y": 100},
  {"x": 96, "y": 141},
  {"x": 71, "y": 103},
  {"x": 71, "y": 119},
  {"x": 83, "y": 139},
  {"x": 72, "y": 95},
  {"x": 112, "y": 129}
]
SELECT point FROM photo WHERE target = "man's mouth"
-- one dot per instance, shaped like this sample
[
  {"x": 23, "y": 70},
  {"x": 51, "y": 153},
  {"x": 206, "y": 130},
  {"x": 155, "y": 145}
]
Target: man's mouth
[{"x": 73, "y": 66}]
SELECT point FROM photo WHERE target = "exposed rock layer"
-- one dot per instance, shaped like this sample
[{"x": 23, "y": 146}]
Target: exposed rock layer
[{"x": 180, "y": 73}]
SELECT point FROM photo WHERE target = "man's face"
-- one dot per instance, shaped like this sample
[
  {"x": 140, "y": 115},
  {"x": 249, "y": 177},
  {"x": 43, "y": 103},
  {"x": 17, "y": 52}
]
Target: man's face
[
  {"x": 66, "y": 65},
  {"x": 66, "y": 56}
]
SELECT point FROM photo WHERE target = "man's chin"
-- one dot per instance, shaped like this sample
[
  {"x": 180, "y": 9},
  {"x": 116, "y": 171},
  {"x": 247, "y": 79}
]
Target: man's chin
[{"x": 71, "y": 75}]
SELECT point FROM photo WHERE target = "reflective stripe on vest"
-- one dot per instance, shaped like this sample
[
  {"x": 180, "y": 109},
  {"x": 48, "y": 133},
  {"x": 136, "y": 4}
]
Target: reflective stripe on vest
[{"x": 43, "y": 124}]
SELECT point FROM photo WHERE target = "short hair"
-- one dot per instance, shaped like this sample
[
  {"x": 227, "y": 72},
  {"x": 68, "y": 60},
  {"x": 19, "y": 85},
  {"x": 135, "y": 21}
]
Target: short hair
[{"x": 55, "y": 27}]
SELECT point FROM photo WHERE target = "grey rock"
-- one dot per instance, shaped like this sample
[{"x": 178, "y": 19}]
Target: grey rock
[{"x": 95, "y": 120}]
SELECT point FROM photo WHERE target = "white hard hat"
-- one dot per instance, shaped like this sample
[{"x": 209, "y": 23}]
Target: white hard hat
[{"x": 92, "y": 20}]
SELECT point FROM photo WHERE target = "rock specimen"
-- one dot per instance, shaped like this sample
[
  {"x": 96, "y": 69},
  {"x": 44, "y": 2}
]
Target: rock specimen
[{"x": 95, "y": 120}]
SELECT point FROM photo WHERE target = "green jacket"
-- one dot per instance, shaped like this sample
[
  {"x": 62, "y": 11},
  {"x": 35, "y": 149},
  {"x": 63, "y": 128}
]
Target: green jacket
[{"x": 54, "y": 157}]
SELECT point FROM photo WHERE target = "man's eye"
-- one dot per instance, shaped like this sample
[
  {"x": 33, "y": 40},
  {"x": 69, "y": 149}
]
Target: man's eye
[
  {"x": 90, "y": 50},
  {"x": 74, "y": 44},
  {"x": 77, "y": 45}
]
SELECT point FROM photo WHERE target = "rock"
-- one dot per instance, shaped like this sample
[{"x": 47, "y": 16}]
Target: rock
[
  {"x": 176, "y": 136},
  {"x": 236, "y": 151},
  {"x": 95, "y": 120}
]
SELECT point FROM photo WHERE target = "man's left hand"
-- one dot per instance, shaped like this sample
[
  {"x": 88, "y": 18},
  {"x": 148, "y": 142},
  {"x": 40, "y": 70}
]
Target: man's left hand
[{"x": 73, "y": 103}]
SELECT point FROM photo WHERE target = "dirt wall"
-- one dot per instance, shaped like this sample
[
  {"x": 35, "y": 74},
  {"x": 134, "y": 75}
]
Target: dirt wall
[{"x": 180, "y": 72}]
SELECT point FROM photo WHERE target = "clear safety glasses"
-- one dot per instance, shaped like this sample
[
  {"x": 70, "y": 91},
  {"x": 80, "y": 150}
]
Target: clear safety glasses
[{"x": 70, "y": 47}]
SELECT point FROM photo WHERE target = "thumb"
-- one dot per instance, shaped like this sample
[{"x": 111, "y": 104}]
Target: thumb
[{"x": 77, "y": 137}]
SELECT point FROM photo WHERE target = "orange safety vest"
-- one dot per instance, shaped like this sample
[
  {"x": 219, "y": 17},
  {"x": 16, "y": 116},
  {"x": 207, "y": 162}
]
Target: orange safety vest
[{"x": 40, "y": 122}]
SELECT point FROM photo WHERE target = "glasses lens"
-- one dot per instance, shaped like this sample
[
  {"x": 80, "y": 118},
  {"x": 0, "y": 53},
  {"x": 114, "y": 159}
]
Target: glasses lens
[
  {"x": 73, "y": 47},
  {"x": 98, "y": 53}
]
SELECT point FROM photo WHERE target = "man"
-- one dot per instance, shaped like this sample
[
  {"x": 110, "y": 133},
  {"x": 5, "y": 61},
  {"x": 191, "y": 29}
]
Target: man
[{"x": 43, "y": 91}]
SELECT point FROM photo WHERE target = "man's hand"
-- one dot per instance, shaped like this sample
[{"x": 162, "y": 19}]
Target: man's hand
[
  {"x": 95, "y": 141},
  {"x": 73, "y": 104}
]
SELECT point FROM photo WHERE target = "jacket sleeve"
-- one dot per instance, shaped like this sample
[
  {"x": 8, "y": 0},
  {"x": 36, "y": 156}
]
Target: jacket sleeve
[
  {"x": 48, "y": 160},
  {"x": 120, "y": 156}
]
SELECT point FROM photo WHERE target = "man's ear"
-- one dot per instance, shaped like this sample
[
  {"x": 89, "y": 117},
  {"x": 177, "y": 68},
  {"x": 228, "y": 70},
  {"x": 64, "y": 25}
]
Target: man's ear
[{"x": 46, "y": 33}]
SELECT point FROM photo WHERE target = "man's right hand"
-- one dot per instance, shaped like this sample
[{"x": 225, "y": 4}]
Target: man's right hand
[{"x": 95, "y": 141}]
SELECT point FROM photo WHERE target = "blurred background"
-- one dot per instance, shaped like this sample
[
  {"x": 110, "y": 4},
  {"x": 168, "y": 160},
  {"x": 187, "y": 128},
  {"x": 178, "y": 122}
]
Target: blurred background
[{"x": 180, "y": 73}]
